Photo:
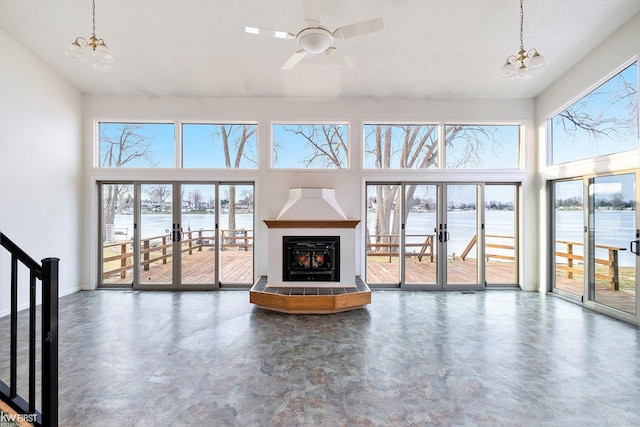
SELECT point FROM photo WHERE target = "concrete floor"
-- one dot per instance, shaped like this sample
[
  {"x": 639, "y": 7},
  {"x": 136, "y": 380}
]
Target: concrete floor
[{"x": 492, "y": 358}]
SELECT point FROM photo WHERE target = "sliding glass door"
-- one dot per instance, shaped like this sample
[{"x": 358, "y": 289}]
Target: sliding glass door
[
  {"x": 568, "y": 242},
  {"x": 197, "y": 221},
  {"x": 157, "y": 235},
  {"x": 116, "y": 234},
  {"x": 613, "y": 241},
  {"x": 461, "y": 236},
  {"x": 434, "y": 237},
  {"x": 236, "y": 234},
  {"x": 176, "y": 235},
  {"x": 420, "y": 237},
  {"x": 596, "y": 244}
]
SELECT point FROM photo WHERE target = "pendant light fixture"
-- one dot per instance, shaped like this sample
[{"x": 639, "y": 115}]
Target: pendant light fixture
[
  {"x": 82, "y": 48},
  {"x": 518, "y": 66}
]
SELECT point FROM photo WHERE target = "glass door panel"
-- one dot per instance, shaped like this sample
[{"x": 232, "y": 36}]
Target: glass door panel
[
  {"x": 420, "y": 239},
  {"x": 460, "y": 232},
  {"x": 500, "y": 233},
  {"x": 236, "y": 234},
  {"x": 568, "y": 215},
  {"x": 156, "y": 231},
  {"x": 612, "y": 278},
  {"x": 383, "y": 234},
  {"x": 117, "y": 204},
  {"x": 198, "y": 239}
]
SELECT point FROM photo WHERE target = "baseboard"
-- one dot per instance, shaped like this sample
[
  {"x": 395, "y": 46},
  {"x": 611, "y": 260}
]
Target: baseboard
[{"x": 25, "y": 306}]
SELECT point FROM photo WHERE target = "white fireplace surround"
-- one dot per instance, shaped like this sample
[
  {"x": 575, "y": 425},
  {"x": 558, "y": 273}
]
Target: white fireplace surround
[
  {"x": 312, "y": 203},
  {"x": 319, "y": 206}
]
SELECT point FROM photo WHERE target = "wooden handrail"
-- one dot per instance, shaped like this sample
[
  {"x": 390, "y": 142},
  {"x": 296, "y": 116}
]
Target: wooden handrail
[{"x": 392, "y": 245}]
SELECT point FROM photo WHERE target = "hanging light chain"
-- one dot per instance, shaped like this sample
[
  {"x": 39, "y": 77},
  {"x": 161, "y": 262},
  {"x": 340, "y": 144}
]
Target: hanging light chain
[
  {"x": 521, "y": 26},
  {"x": 94, "y": 18}
]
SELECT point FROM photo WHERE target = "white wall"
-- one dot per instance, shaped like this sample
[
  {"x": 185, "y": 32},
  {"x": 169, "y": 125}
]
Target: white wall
[
  {"x": 40, "y": 166},
  {"x": 272, "y": 185},
  {"x": 606, "y": 60}
]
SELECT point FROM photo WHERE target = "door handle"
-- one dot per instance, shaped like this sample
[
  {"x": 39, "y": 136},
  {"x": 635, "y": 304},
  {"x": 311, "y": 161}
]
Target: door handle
[
  {"x": 637, "y": 251},
  {"x": 446, "y": 236}
]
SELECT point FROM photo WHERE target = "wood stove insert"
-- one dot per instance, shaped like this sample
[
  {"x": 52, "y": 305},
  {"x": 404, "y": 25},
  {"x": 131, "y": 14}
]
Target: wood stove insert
[{"x": 311, "y": 258}]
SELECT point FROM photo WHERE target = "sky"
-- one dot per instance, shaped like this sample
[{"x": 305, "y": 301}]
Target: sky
[{"x": 600, "y": 105}]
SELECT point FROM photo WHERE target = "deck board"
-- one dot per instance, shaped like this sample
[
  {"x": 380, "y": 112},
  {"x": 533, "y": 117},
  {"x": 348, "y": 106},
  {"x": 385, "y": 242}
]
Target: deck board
[
  {"x": 624, "y": 300},
  {"x": 199, "y": 268},
  {"x": 424, "y": 272}
]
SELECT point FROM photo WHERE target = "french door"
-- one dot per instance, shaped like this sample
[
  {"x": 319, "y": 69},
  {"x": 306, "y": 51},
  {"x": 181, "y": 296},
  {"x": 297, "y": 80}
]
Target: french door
[
  {"x": 441, "y": 235},
  {"x": 596, "y": 243},
  {"x": 176, "y": 235}
]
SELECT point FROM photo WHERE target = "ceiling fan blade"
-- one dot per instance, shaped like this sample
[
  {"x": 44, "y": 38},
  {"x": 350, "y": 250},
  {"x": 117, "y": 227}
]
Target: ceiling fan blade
[
  {"x": 269, "y": 33},
  {"x": 354, "y": 30},
  {"x": 311, "y": 10},
  {"x": 295, "y": 58}
]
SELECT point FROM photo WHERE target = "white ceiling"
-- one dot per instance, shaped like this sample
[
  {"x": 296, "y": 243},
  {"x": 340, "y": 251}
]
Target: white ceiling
[{"x": 428, "y": 48}]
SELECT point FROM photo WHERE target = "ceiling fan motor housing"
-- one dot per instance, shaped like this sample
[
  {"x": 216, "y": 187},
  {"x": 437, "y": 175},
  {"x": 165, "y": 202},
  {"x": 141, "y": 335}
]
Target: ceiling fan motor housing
[{"x": 315, "y": 40}]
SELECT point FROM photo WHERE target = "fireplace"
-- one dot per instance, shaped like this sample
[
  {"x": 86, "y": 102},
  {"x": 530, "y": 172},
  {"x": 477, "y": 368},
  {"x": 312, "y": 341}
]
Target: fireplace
[{"x": 311, "y": 258}]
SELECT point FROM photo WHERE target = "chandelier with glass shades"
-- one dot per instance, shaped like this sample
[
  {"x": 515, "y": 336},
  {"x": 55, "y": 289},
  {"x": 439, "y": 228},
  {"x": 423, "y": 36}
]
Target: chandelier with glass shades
[
  {"x": 518, "y": 66},
  {"x": 82, "y": 48}
]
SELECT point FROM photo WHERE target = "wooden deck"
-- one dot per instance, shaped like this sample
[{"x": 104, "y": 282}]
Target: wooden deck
[
  {"x": 381, "y": 271},
  {"x": 496, "y": 273},
  {"x": 624, "y": 299},
  {"x": 236, "y": 267}
]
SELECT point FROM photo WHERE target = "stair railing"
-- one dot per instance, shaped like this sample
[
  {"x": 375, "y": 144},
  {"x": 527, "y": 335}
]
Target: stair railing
[{"x": 47, "y": 274}]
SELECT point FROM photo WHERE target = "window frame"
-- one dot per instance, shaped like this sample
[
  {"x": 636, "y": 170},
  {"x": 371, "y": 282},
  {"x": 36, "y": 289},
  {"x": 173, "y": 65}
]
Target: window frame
[{"x": 548, "y": 146}]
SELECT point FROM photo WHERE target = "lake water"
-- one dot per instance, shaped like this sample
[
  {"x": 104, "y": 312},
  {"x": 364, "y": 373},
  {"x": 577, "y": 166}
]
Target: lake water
[{"x": 613, "y": 228}]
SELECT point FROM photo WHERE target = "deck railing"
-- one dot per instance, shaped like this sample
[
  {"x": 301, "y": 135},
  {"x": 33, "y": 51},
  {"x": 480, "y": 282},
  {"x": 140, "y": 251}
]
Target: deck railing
[
  {"x": 47, "y": 274},
  {"x": 387, "y": 245},
  {"x": 611, "y": 262},
  {"x": 491, "y": 244},
  {"x": 498, "y": 247},
  {"x": 157, "y": 248}
]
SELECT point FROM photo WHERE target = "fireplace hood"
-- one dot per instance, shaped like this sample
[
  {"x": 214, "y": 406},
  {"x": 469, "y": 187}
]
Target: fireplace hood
[{"x": 311, "y": 204}]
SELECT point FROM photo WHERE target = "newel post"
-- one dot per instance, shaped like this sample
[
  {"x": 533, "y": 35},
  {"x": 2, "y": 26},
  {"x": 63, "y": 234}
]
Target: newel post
[{"x": 50, "y": 341}]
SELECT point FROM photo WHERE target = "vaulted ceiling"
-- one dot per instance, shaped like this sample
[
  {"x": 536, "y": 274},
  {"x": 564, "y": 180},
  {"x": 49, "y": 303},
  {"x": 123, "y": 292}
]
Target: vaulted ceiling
[{"x": 427, "y": 49}]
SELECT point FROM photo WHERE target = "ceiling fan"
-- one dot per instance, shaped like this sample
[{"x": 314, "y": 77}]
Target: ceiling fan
[{"x": 315, "y": 38}]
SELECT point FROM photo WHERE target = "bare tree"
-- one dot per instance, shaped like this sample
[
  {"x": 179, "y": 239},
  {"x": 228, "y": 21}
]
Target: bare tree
[
  {"x": 619, "y": 115},
  {"x": 124, "y": 144},
  {"x": 247, "y": 197},
  {"x": 159, "y": 194},
  {"x": 195, "y": 197},
  {"x": 234, "y": 143},
  {"x": 328, "y": 145}
]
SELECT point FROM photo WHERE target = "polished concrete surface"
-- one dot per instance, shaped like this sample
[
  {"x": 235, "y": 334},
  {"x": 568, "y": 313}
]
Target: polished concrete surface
[{"x": 493, "y": 358}]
